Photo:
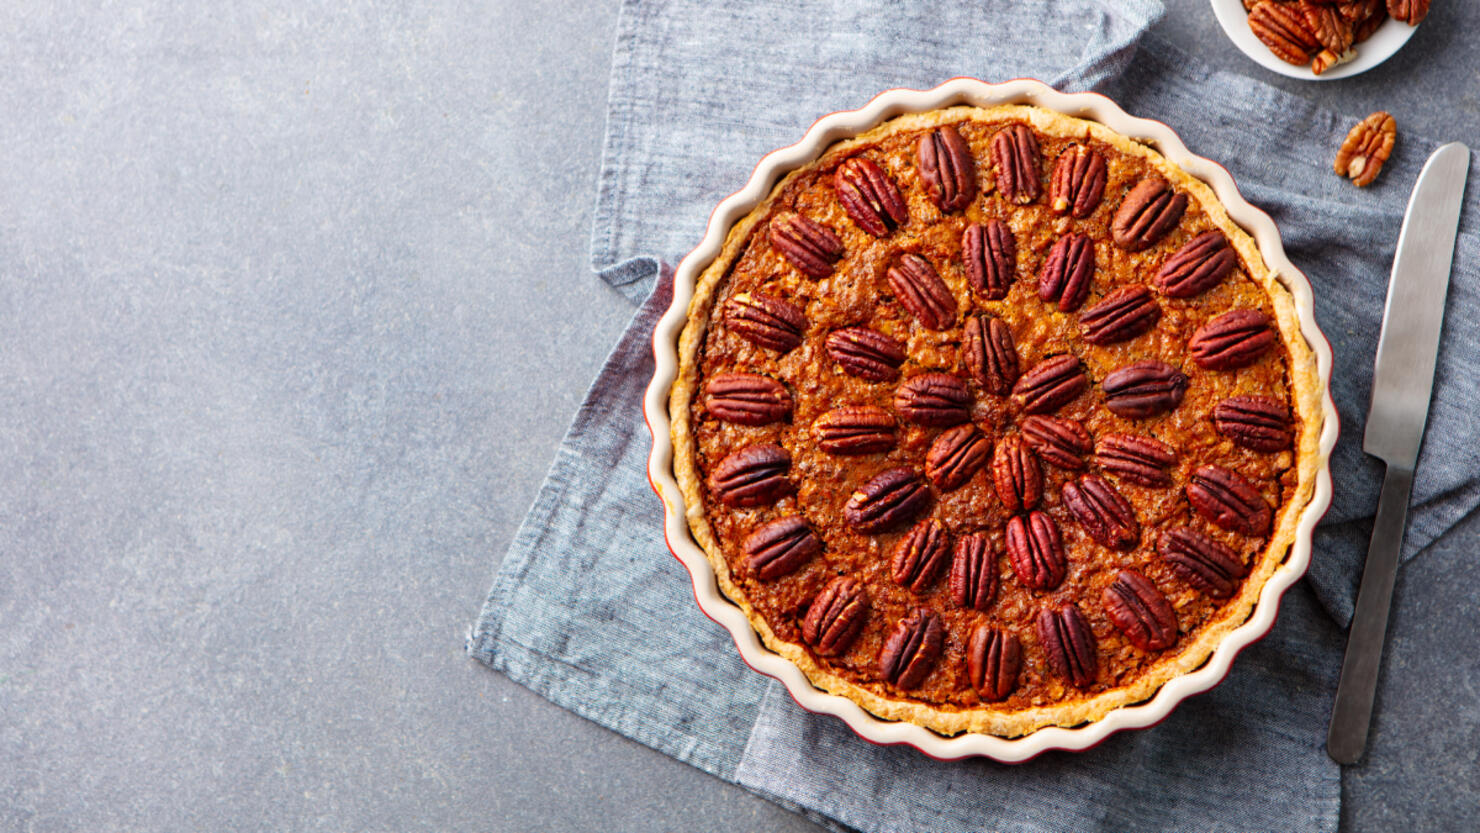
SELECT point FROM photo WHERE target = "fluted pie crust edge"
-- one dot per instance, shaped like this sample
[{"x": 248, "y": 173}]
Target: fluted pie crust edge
[{"x": 1305, "y": 395}]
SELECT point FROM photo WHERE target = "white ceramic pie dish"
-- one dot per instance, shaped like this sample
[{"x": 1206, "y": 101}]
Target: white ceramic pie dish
[{"x": 771, "y": 169}]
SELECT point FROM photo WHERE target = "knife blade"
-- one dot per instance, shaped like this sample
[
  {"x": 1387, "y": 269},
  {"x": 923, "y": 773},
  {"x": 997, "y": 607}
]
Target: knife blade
[{"x": 1402, "y": 383}]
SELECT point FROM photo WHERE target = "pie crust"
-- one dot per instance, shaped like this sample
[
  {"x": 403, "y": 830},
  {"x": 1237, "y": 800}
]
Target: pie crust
[{"x": 1125, "y": 675}]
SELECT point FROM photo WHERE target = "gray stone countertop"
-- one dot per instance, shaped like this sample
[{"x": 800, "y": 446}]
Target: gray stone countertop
[{"x": 294, "y": 308}]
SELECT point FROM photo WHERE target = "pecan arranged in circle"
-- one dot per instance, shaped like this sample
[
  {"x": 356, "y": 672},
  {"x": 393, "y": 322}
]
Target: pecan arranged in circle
[
  {"x": 919, "y": 556},
  {"x": 1284, "y": 30},
  {"x": 865, "y": 353},
  {"x": 755, "y": 475},
  {"x": 807, "y": 244},
  {"x": 889, "y": 499},
  {"x": 1198, "y": 266},
  {"x": 836, "y": 616},
  {"x": 973, "y": 572},
  {"x": 993, "y": 659},
  {"x": 990, "y": 354},
  {"x": 1120, "y": 316},
  {"x": 870, "y": 196},
  {"x": 1140, "y": 611},
  {"x": 1066, "y": 271},
  {"x": 1015, "y": 154},
  {"x": 1069, "y": 644},
  {"x": 937, "y": 399},
  {"x": 1058, "y": 441},
  {"x": 1078, "y": 182},
  {"x": 1143, "y": 389},
  {"x": 956, "y": 455},
  {"x": 1016, "y": 474},
  {"x": 746, "y": 399},
  {"x": 989, "y": 254},
  {"x": 948, "y": 168},
  {"x": 1255, "y": 422},
  {"x": 855, "y": 429},
  {"x": 1036, "y": 550},
  {"x": 1051, "y": 384},
  {"x": 1366, "y": 148},
  {"x": 1232, "y": 340},
  {"x": 1229, "y": 500},
  {"x": 1149, "y": 211},
  {"x": 919, "y": 288},
  {"x": 1135, "y": 459},
  {"x": 766, "y": 321},
  {"x": 1103, "y": 512},
  {"x": 780, "y": 547},
  {"x": 912, "y": 648},
  {"x": 1201, "y": 561}
]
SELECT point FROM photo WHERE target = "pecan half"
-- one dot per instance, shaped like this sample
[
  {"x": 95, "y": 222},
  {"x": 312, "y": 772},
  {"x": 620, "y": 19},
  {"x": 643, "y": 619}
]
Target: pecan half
[
  {"x": 807, "y": 244},
  {"x": 956, "y": 455},
  {"x": 1229, "y": 500},
  {"x": 1140, "y": 611},
  {"x": 1411, "y": 12},
  {"x": 1016, "y": 474},
  {"x": 1357, "y": 11},
  {"x": 1036, "y": 550},
  {"x": 855, "y": 429},
  {"x": 1283, "y": 29},
  {"x": 1015, "y": 154},
  {"x": 1067, "y": 270},
  {"x": 1051, "y": 384},
  {"x": 766, "y": 321},
  {"x": 1069, "y": 644},
  {"x": 973, "y": 572},
  {"x": 870, "y": 196},
  {"x": 1255, "y": 422},
  {"x": 912, "y": 648},
  {"x": 989, "y": 254},
  {"x": 1143, "y": 389},
  {"x": 1232, "y": 340},
  {"x": 1364, "y": 28},
  {"x": 1078, "y": 182},
  {"x": 836, "y": 616},
  {"x": 1120, "y": 316},
  {"x": 1201, "y": 561},
  {"x": 1135, "y": 459},
  {"x": 746, "y": 399},
  {"x": 993, "y": 659},
  {"x": 889, "y": 499},
  {"x": 1103, "y": 512},
  {"x": 1366, "y": 147},
  {"x": 1201, "y": 264},
  {"x": 865, "y": 353},
  {"x": 948, "y": 169},
  {"x": 919, "y": 288},
  {"x": 1058, "y": 441},
  {"x": 752, "y": 476},
  {"x": 1147, "y": 213},
  {"x": 780, "y": 547},
  {"x": 938, "y": 399},
  {"x": 1331, "y": 30},
  {"x": 990, "y": 354},
  {"x": 920, "y": 554}
]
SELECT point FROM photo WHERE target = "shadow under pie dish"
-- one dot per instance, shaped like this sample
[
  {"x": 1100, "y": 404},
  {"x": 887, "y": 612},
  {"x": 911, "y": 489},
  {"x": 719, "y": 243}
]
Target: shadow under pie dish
[{"x": 990, "y": 419}]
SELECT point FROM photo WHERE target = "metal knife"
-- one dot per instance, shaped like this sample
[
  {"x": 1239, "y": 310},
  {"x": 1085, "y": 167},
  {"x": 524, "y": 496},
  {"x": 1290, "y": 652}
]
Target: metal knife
[{"x": 1402, "y": 381}]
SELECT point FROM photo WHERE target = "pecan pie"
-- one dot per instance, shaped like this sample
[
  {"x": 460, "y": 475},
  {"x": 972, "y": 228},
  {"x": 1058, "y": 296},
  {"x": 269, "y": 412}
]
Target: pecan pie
[{"x": 992, "y": 419}]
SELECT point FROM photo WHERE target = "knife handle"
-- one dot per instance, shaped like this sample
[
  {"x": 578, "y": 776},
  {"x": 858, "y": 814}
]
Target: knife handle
[{"x": 1352, "y": 714}]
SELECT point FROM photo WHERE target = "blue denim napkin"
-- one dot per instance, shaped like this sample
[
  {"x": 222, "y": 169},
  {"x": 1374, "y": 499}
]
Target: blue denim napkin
[{"x": 590, "y": 611}]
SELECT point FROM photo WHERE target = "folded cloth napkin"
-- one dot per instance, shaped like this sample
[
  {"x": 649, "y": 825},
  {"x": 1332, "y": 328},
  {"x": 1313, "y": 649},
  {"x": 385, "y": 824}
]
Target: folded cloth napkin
[{"x": 587, "y": 608}]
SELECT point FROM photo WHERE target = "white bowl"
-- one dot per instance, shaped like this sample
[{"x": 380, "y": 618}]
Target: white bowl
[
  {"x": 775, "y": 165},
  {"x": 1388, "y": 39}
]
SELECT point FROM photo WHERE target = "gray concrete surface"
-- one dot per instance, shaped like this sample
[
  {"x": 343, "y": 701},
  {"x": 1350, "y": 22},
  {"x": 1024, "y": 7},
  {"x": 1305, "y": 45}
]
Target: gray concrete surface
[{"x": 294, "y": 308}]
